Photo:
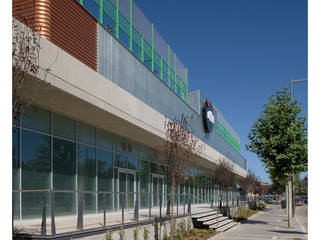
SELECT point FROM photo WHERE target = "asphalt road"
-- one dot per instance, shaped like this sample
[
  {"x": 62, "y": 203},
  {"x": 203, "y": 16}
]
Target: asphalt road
[{"x": 302, "y": 216}]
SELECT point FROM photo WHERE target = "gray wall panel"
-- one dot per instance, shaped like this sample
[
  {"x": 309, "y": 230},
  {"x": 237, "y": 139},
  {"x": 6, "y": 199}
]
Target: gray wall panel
[{"x": 116, "y": 63}]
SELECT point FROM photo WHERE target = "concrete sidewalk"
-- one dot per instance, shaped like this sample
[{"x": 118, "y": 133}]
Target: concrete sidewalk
[{"x": 268, "y": 224}]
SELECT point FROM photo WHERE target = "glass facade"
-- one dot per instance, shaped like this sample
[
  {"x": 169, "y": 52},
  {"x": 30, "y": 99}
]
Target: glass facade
[{"x": 80, "y": 161}]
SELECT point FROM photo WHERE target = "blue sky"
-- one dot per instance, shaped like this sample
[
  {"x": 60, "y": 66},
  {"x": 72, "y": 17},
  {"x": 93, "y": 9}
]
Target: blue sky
[{"x": 237, "y": 53}]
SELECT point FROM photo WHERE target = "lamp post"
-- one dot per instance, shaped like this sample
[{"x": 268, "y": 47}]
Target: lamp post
[{"x": 290, "y": 194}]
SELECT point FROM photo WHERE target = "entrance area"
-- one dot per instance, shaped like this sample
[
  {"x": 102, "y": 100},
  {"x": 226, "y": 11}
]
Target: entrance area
[
  {"x": 157, "y": 189},
  {"x": 127, "y": 188}
]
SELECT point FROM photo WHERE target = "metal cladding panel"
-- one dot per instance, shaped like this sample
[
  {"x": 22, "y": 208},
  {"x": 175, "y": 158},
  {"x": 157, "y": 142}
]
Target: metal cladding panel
[
  {"x": 75, "y": 31},
  {"x": 120, "y": 66},
  {"x": 36, "y": 14},
  {"x": 63, "y": 22}
]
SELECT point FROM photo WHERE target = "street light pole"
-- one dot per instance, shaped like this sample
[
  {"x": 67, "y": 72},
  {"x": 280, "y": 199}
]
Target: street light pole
[{"x": 290, "y": 194}]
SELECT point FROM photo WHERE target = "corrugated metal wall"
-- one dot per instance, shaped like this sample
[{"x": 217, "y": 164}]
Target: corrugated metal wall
[
  {"x": 116, "y": 63},
  {"x": 63, "y": 22}
]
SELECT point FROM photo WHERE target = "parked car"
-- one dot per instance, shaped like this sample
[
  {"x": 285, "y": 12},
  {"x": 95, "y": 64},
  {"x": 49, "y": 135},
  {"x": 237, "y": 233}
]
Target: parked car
[
  {"x": 304, "y": 199},
  {"x": 298, "y": 202}
]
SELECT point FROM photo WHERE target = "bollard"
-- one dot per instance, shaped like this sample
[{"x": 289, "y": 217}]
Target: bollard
[{"x": 44, "y": 215}]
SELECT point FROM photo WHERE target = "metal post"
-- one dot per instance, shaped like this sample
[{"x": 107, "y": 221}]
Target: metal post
[
  {"x": 161, "y": 69},
  {"x": 117, "y": 19},
  {"x": 131, "y": 25},
  {"x": 53, "y": 224},
  {"x": 80, "y": 212},
  {"x": 160, "y": 205},
  {"x": 122, "y": 210},
  {"x": 169, "y": 67},
  {"x": 187, "y": 91},
  {"x": 44, "y": 215},
  {"x": 189, "y": 206},
  {"x": 136, "y": 209},
  {"x": 142, "y": 51},
  {"x": 101, "y": 12},
  {"x": 152, "y": 48},
  {"x": 168, "y": 206},
  {"x": 149, "y": 205},
  {"x": 175, "y": 73},
  {"x": 104, "y": 210}
]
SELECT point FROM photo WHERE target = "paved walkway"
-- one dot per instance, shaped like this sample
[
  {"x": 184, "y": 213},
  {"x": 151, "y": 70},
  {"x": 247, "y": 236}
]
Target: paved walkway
[{"x": 268, "y": 224}]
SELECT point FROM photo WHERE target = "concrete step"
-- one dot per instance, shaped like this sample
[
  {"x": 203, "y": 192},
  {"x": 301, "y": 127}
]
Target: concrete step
[
  {"x": 226, "y": 226},
  {"x": 215, "y": 221},
  {"x": 211, "y": 217},
  {"x": 220, "y": 224},
  {"x": 202, "y": 215}
]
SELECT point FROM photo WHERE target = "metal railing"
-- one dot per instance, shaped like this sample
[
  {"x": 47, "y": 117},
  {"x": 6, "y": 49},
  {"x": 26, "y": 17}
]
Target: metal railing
[{"x": 130, "y": 208}]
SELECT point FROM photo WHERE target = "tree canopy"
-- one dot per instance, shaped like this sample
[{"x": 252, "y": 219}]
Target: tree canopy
[{"x": 279, "y": 137}]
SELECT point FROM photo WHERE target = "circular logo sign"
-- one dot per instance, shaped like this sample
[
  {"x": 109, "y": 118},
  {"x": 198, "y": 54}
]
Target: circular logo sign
[{"x": 207, "y": 116}]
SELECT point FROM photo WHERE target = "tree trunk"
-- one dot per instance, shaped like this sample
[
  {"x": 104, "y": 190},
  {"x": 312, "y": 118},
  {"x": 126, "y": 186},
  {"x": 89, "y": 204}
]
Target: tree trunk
[
  {"x": 290, "y": 202},
  {"x": 173, "y": 190},
  {"x": 287, "y": 198}
]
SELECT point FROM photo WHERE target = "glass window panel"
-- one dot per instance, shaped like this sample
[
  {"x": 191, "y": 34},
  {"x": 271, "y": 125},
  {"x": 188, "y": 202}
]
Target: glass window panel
[
  {"x": 15, "y": 158},
  {"x": 35, "y": 161},
  {"x": 153, "y": 168},
  {"x": 104, "y": 139},
  {"x": 105, "y": 170},
  {"x": 65, "y": 203},
  {"x": 108, "y": 202},
  {"x": 133, "y": 163},
  {"x": 36, "y": 118},
  {"x": 147, "y": 153},
  {"x": 120, "y": 160},
  {"x": 64, "y": 164},
  {"x": 115, "y": 181},
  {"x": 89, "y": 203},
  {"x": 133, "y": 149},
  {"x": 92, "y": 8},
  {"x": 109, "y": 23},
  {"x": 32, "y": 204},
  {"x": 144, "y": 176},
  {"x": 64, "y": 127},
  {"x": 86, "y": 133},
  {"x": 86, "y": 168},
  {"x": 119, "y": 144}
]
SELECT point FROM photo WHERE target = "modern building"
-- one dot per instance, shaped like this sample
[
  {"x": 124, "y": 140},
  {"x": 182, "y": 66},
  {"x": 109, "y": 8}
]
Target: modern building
[{"x": 113, "y": 82}]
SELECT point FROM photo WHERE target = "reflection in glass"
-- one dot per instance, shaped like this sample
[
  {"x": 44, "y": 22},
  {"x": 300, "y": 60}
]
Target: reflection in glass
[
  {"x": 64, "y": 164},
  {"x": 36, "y": 118},
  {"x": 86, "y": 133},
  {"x": 104, "y": 139},
  {"x": 35, "y": 161},
  {"x": 120, "y": 160},
  {"x": 105, "y": 171},
  {"x": 87, "y": 176},
  {"x": 119, "y": 144},
  {"x": 64, "y": 127},
  {"x": 133, "y": 149},
  {"x": 133, "y": 163}
]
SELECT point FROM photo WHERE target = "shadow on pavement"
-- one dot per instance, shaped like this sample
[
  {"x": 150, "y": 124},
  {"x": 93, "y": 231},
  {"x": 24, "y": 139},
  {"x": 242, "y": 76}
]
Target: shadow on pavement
[
  {"x": 287, "y": 232},
  {"x": 249, "y": 221}
]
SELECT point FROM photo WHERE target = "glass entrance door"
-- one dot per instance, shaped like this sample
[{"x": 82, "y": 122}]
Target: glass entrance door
[
  {"x": 127, "y": 188},
  {"x": 157, "y": 189}
]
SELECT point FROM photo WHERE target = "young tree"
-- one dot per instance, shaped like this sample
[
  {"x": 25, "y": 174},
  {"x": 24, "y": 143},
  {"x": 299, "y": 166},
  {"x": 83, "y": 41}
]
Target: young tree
[
  {"x": 278, "y": 137},
  {"x": 225, "y": 176},
  {"x": 177, "y": 150}
]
